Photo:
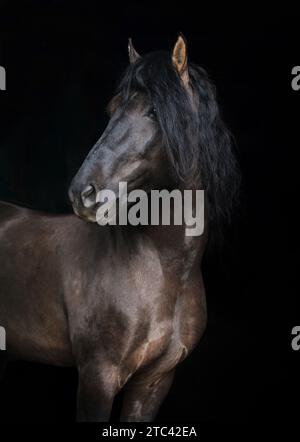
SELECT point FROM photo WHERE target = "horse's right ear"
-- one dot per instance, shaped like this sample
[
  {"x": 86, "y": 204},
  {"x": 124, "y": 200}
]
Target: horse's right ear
[{"x": 133, "y": 55}]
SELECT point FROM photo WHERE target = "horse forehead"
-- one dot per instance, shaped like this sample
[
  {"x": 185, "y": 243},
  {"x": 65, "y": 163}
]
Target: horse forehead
[{"x": 137, "y": 101}]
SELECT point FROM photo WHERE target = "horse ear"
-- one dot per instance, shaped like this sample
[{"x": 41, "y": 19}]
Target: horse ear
[
  {"x": 133, "y": 55},
  {"x": 179, "y": 58}
]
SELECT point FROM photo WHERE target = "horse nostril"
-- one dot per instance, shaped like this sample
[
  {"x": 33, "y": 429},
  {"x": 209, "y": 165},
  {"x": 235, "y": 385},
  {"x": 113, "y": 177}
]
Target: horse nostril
[{"x": 88, "y": 196}]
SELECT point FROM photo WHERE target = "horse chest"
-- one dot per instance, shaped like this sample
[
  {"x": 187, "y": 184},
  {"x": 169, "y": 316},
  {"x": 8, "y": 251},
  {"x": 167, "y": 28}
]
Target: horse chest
[{"x": 168, "y": 343}]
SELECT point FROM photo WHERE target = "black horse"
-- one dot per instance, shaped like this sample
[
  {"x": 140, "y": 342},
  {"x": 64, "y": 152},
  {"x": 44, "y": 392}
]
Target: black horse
[{"x": 124, "y": 304}]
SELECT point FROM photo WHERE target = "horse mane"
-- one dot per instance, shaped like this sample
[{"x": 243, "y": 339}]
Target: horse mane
[{"x": 198, "y": 144}]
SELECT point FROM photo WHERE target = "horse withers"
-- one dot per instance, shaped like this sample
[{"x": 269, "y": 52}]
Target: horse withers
[{"x": 125, "y": 304}]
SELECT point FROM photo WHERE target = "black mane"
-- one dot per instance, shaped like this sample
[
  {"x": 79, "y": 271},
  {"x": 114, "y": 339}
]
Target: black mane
[{"x": 197, "y": 141}]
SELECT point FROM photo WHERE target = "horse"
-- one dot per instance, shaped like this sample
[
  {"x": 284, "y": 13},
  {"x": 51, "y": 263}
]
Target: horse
[{"x": 124, "y": 304}]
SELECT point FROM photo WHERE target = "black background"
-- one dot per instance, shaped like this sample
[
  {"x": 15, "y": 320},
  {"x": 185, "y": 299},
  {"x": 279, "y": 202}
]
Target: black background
[{"x": 63, "y": 60}]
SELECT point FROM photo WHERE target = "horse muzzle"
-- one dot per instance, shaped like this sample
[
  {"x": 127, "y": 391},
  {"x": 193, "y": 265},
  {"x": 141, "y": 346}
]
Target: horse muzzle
[{"x": 84, "y": 201}]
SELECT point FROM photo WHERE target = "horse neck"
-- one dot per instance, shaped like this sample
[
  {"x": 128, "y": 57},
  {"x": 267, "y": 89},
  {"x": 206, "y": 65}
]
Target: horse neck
[{"x": 179, "y": 253}]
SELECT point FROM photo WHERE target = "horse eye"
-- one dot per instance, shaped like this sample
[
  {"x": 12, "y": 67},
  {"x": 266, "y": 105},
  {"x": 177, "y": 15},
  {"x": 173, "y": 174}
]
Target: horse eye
[{"x": 152, "y": 113}]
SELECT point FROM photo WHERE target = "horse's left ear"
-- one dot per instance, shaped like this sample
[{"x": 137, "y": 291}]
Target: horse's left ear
[
  {"x": 133, "y": 55},
  {"x": 179, "y": 58}
]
